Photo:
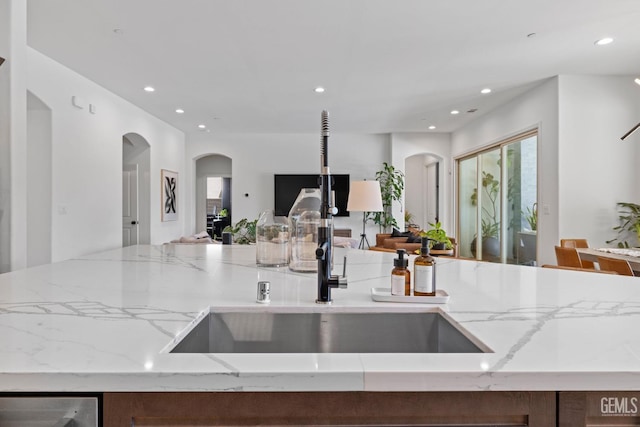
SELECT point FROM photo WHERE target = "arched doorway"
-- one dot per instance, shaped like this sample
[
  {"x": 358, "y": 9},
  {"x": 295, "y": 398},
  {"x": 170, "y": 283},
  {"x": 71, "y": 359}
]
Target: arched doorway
[
  {"x": 136, "y": 190},
  {"x": 423, "y": 201},
  {"x": 213, "y": 193}
]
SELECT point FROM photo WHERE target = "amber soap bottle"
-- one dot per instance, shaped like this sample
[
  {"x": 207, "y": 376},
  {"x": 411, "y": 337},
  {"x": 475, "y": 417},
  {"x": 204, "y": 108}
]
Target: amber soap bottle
[
  {"x": 400, "y": 275},
  {"x": 424, "y": 272}
]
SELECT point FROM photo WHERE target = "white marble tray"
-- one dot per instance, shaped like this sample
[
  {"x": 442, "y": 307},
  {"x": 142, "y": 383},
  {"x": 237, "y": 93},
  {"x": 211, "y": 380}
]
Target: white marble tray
[{"x": 384, "y": 295}]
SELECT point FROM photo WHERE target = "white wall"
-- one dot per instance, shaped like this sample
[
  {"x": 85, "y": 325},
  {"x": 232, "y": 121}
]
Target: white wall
[
  {"x": 597, "y": 169},
  {"x": 437, "y": 145},
  {"x": 87, "y": 161},
  {"x": 5, "y": 137},
  {"x": 257, "y": 157},
  {"x": 38, "y": 182},
  {"x": 15, "y": 206}
]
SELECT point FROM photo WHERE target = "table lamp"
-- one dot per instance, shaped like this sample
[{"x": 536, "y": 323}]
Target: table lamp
[{"x": 364, "y": 196}]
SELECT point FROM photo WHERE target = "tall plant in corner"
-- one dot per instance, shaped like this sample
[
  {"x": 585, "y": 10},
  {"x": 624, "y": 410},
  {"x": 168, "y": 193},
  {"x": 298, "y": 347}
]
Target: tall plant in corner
[{"x": 391, "y": 187}]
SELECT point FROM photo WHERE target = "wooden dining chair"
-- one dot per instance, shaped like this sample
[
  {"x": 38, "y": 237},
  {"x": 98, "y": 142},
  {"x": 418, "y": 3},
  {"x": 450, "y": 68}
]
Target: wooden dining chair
[
  {"x": 577, "y": 243},
  {"x": 574, "y": 243},
  {"x": 621, "y": 266},
  {"x": 568, "y": 257}
]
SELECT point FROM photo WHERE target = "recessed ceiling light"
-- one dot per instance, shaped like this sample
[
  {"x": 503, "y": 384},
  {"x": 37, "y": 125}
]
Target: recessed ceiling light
[
  {"x": 149, "y": 89},
  {"x": 202, "y": 126},
  {"x": 637, "y": 80},
  {"x": 455, "y": 112},
  {"x": 179, "y": 111},
  {"x": 319, "y": 89},
  {"x": 432, "y": 127},
  {"x": 604, "y": 41},
  {"x": 485, "y": 90}
]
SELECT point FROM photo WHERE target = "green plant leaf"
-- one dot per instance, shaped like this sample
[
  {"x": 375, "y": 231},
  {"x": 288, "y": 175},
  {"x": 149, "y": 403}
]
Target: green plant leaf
[
  {"x": 391, "y": 188},
  {"x": 629, "y": 224}
]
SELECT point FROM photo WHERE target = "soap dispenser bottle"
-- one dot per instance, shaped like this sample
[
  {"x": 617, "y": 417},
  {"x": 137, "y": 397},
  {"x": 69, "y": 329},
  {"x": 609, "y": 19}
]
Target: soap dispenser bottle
[
  {"x": 424, "y": 272},
  {"x": 400, "y": 275}
]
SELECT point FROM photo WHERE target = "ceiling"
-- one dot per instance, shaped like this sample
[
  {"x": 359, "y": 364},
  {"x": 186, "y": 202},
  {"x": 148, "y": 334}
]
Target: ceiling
[{"x": 387, "y": 65}]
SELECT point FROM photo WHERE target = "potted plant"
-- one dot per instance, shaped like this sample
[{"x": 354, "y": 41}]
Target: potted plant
[
  {"x": 531, "y": 215},
  {"x": 438, "y": 236},
  {"x": 629, "y": 223},
  {"x": 408, "y": 220},
  {"x": 391, "y": 187},
  {"x": 244, "y": 231}
]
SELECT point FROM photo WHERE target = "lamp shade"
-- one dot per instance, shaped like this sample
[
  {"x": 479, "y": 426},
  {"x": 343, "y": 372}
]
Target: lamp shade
[{"x": 364, "y": 196}]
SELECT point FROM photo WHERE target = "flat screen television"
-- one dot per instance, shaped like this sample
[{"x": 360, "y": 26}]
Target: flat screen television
[{"x": 287, "y": 187}]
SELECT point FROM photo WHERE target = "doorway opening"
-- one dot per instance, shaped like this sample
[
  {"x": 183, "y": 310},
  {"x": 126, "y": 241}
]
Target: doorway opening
[
  {"x": 213, "y": 194},
  {"x": 136, "y": 190},
  {"x": 422, "y": 182},
  {"x": 218, "y": 205}
]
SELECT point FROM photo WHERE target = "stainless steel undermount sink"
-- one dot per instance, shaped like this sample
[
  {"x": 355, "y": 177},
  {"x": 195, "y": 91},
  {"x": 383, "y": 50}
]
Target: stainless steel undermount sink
[{"x": 326, "y": 332}]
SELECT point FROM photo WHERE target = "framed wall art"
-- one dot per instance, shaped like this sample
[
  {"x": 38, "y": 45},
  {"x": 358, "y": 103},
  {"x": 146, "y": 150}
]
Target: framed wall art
[{"x": 169, "y": 196}]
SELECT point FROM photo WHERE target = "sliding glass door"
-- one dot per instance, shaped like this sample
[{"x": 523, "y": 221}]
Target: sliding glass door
[
  {"x": 522, "y": 200},
  {"x": 467, "y": 211},
  {"x": 497, "y": 194},
  {"x": 480, "y": 205}
]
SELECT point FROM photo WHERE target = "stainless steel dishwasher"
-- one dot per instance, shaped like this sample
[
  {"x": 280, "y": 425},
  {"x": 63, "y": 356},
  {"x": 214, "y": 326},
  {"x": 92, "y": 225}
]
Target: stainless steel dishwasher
[{"x": 48, "y": 411}]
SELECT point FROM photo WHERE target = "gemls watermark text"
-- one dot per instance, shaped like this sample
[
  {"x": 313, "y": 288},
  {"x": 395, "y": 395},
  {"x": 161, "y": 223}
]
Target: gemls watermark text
[{"x": 619, "y": 405}]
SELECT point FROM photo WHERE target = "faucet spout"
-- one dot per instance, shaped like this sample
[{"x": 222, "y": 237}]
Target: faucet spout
[{"x": 324, "y": 254}]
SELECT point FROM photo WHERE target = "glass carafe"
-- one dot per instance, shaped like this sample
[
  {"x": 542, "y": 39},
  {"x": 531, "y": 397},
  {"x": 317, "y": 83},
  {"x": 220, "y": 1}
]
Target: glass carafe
[
  {"x": 272, "y": 240},
  {"x": 304, "y": 219}
]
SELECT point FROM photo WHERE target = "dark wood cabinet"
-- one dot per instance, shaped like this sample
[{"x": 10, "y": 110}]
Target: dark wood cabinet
[
  {"x": 598, "y": 408},
  {"x": 537, "y": 409}
]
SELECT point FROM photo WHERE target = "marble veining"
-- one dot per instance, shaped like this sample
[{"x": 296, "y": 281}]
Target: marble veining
[{"x": 103, "y": 323}]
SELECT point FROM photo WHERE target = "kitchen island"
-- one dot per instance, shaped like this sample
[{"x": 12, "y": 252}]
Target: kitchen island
[{"x": 105, "y": 322}]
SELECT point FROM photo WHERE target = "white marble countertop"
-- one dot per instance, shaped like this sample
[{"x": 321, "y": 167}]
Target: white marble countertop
[{"x": 100, "y": 323}]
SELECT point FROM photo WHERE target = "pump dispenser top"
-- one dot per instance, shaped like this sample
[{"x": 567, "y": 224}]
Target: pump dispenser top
[
  {"x": 424, "y": 248},
  {"x": 401, "y": 261}
]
